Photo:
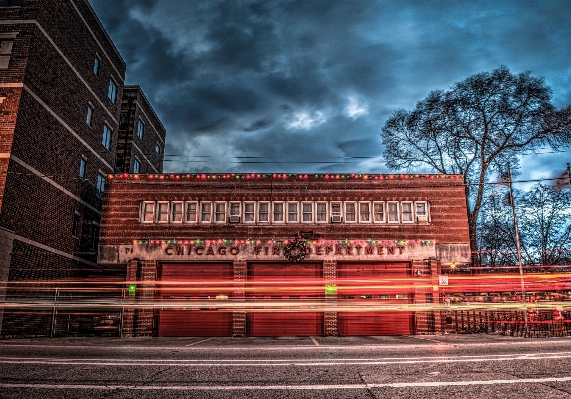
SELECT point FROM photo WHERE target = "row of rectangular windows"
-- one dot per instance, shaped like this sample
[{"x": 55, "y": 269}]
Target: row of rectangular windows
[{"x": 284, "y": 212}]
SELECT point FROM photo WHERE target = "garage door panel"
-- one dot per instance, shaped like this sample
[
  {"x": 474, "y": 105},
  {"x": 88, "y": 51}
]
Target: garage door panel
[
  {"x": 374, "y": 323},
  {"x": 281, "y": 324},
  {"x": 174, "y": 323}
]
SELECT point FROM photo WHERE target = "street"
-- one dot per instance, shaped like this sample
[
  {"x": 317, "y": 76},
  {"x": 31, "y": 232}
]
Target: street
[{"x": 451, "y": 366}]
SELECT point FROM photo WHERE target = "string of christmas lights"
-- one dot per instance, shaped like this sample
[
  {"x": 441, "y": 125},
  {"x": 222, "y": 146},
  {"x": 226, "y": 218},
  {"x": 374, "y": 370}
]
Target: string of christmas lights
[
  {"x": 283, "y": 176},
  {"x": 250, "y": 241}
]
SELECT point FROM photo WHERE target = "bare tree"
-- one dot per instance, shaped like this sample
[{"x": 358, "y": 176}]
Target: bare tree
[{"x": 482, "y": 122}]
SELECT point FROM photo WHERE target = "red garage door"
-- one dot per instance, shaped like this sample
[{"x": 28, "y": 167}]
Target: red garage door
[
  {"x": 284, "y": 294},
  {"x": 193, "y": 299},
  {"x": 374, "y": 293}
]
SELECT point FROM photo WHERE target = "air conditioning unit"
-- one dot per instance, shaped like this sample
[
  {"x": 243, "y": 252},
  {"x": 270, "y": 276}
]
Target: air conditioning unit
[
  {"x": 234, "y": 219},
  {"x": 421, "y": 218},
  {"x": 336, "y": 219}
]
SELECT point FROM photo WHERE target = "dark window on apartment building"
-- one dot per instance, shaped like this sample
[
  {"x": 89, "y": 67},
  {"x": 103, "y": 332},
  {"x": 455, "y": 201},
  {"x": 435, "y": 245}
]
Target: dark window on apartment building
[
  {"x": 100, "y": 187},
  {"x": 106, "y": 139},
  {"x": 94, "y": 239},
  {"x": 75, "y": 225},
  {"x": 112, "y": 92},
  {"x": 5, "y": 52},
  {"x": 82, "y": 166},
  {"x": 96, "y": 62},
  {"x": 89, "y": 116},
  {"x": 140, "y": 129},
  {"x": 10, "y": 3},
  {"x": 136, "y": 166}
]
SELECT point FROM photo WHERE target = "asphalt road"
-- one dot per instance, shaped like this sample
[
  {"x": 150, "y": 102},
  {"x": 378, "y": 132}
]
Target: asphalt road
[{"x": 452, "y": 366}]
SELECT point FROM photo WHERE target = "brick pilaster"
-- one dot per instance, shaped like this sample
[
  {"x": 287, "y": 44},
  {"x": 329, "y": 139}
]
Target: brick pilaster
[
  {"x": 330, "y": 318},
  {"x": 239, "y": 317}
]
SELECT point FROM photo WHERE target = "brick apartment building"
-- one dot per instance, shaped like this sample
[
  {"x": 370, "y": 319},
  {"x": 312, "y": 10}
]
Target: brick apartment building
[
  {"x": 67, "y": 121},
  {"x": 279, "y": 255}
]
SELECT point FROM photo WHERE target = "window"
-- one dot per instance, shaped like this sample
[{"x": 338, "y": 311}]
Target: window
[
  {"x": 350, "y": 212},
  {"x": 234, "y": 212},
  {"x": 321, "y": 212},
  {"x": 75, "y": 225},
  {"x": 162, "y": 212},
  {"x": 176, "y": 212},
  {"x": 264, "y": 212},
  {"x": 10, "y": 3},
  {"x": 5, "y": 53},
  {"x": 89, "y": 116},
  {"x": 379, "y": 212},
  {"x": 364, "y": 212},
  {"x": 307, "y": 212},
  {"x": 136, "y": 166},
  {"x": 94, "y": 236},
  {"x": 205, "y": 212},
  {"x": 393, "y": 211},
  {"x": 96, "y": 62},
  {"x": 336, "y": 216},
  {"x": 100, "y": 187},
  {"x": 292, "y": 212},
  {"x": 278, "y": 212},
  {"x": 220, "y": 212},
  {"x": 190, "y": 213},
  {"x": 112, "y": 92},
  {"x": 140, "y": 128},
  {"x": 249, "y": 212},
  {"x": 148, "y": 212},
  {"x": 406, "y": 212},
  {"x": 158, "y": 149},
  {"x": 421, "y": 212},
  {"x": 82, "y": 165},
  {"x": 106, "y": 139}
]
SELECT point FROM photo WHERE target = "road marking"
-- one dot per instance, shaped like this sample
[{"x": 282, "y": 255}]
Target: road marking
[
  {"x": 314, "y": 341},
  {"x": 285, "y": 387},
  {"x": 425, "y": 339},
  {"x": 198, "y": 342},
  {"x": 282, "y": 362}
]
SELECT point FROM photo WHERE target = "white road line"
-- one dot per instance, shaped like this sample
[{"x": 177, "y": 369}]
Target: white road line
[
  {"x": 204, "y": 340},
  {"x": 281, "y": 362},
  {"x": 284, "y": 387}
]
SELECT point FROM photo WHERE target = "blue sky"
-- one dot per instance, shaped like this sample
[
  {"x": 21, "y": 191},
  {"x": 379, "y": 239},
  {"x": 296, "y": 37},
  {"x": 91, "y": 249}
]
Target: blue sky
[{"x": 305, "y": 86}]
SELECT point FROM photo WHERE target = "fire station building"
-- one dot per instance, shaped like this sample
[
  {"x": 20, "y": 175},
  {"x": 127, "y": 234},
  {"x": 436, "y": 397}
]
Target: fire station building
[{"x": 283, "y": 254}]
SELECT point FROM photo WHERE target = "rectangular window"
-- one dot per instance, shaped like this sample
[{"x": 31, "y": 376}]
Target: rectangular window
[
  {"x": 321, "y": 212},
  {"x": 162, "y": 212},
  {"x": 220, "y": 212},
  {"x": 140, "y": 129},
  {"x": 89, "y": 117},
  {"x": 421, "y": 212},
  {"x": 292, "y": 212},
  {"x": 350, "y": 212},
  {"x": 307, "y": 212},
  {"x": 205, "y": 212},
  {"x": 336, "y": 215},
  {"x": 112, "y": 92},
  {"x": 264, "y": 212},
  {"x": 94, "y": 236},
  {"x": 393, "y": 211},
  {"x": 249, "y": 215},
  {"x": 148, "y": 212},
  {"x": 5, "y": 53},
  {"x": 364, "y": 212},
  {"x": 75, "y": 225},
  {"x": 96, "y": 63},
  {"x": 100, "y": 187},
  {"x": 379, "y": 212},
  {"x": 136, "y": 166},
  {"x": 176, "y": 212},
  {"x": 235, "y": 210},
  {"x": 158, "y": 149},
  {"x": 406, "y": 212},
  {"x": 278, "y": 212},
  {"x": 190, "y": 213},
  {"x": 106, "y": 139},
  {"x": 82, "y": 166}
]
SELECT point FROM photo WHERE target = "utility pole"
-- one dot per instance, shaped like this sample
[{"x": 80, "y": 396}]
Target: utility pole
[{"x": 517, "y": 244}]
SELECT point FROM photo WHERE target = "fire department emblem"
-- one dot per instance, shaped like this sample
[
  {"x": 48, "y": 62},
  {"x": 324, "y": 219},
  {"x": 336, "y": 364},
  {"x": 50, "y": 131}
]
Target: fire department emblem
[{"x": 295, "y": 251}]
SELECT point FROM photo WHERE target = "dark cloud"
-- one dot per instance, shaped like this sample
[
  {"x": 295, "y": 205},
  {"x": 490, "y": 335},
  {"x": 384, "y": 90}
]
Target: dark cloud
[{"x": 292, "y": 85}]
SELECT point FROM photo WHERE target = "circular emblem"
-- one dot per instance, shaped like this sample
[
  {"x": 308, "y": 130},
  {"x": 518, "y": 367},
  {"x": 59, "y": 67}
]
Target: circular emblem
[{"x": 295, "y": 251}]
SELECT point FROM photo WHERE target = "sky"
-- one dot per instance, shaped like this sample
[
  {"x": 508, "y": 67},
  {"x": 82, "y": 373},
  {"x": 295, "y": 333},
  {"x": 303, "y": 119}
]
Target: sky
[{"x": 297, "y": 86}]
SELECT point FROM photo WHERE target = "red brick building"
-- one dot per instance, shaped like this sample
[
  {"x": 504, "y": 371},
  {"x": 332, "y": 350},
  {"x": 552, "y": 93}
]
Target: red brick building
[
  {"x": 273, "y": 255},
  {"x": 61, "y": 90}
]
